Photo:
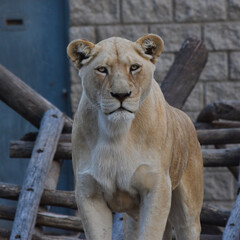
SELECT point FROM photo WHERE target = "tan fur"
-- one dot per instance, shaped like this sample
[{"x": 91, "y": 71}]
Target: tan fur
[{"x": 143, "y": 160}]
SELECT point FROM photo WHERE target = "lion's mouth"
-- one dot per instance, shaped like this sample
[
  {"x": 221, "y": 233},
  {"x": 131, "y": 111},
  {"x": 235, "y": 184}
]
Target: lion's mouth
[{"x": 120, "y": 109}]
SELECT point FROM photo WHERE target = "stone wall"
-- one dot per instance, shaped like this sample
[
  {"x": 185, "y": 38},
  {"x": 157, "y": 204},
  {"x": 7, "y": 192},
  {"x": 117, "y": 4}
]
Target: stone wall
[{"x": 216, "y": 22}]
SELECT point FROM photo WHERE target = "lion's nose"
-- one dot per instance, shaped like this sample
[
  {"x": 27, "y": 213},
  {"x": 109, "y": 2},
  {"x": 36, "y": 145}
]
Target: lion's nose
[{"x": 121, "y": 96}]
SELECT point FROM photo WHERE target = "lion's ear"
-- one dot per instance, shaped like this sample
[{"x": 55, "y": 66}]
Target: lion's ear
[
  {"x": 152, "y": 46},
  {"x": 80, "y": 51}
]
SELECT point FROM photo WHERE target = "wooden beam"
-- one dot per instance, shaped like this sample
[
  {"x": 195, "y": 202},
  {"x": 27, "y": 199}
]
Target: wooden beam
[
  {"x": 217, "y": 125},
  {"x": 24, "y": 100},
  {"x": 232, "y": 229},
  {"x": 184, "y": 73},
  {"x": 228, "y": 110},
  {"x": 40, "y": 162},
  {"x": 210, "y": 237},
  {"x": 46, "y": 219},
  {"x": 221, "y": 157},
  {"x": 210, "y": 215},
  {"x": 22, "y": 149},
  {"x": 211, "y": 157},
  {"x": 219, "y": 136},
  {"x": 5, "y": 235},
  {"x": 49, "y": 197}
]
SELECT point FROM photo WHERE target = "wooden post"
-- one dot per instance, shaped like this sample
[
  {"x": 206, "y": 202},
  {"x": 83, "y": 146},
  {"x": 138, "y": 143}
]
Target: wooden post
[
  {"x": 40, "y": 162},
  {"x": 232, "y": 229},
  {"x": 184, "y": 73}
]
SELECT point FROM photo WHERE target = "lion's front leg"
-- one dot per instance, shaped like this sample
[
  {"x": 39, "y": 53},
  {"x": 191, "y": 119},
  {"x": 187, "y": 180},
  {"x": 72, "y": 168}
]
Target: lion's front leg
[
  {"x": 154, "y": 210},
  {"x": 95, "y": 215}
]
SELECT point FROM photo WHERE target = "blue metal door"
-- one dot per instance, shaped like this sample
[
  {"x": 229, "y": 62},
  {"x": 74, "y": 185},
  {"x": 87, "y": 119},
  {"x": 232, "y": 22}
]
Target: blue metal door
[{"x": 33, "y": 40}]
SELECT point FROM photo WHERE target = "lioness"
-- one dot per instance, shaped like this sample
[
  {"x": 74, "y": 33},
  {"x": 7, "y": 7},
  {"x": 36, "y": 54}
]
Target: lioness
[{"x": 132, "y": 152}]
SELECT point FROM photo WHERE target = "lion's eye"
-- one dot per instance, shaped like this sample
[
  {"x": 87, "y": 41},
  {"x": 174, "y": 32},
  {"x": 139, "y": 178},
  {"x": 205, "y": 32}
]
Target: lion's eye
[
  {"x": 134, "y": 67},
  {"x": 102, "y": 69}
]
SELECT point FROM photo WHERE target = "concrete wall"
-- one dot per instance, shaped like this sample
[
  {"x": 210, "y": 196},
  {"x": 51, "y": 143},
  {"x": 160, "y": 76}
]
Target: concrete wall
[{"x": 216, "y": 22}]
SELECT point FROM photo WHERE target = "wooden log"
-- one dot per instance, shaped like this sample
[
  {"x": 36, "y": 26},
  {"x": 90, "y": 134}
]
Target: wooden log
[
  {"x": 22, "y": 149},
  {"x": 221, "y": 157},
  {"x": 117, "y": 232},
  {"x": 31, "y": 136},
  {"x": 210, "y": 215},
  {"x": 210, "y": 237},
  {"x": 46, "y": 219},
  {"x": 217, "y": 125},
  {"x": 228, "y": 110},
  {"x": 60, "y": 221},
  {"x": 5, "y": 235},
  {"x": 40, "y": 162},
  {"x": 219, "y": 136},
  {"x": 232, "y": 229},
  {"x": 211, "y": 157},
  {"x": 205, "y": 136},
  {"x": 184, "y": 73},
  {"x": 49, "y": 197},
  {"x": 24, "y": 100}
]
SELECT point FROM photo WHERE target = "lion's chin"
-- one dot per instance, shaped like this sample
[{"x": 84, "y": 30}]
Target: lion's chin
[{"x": 120, "y": 116}]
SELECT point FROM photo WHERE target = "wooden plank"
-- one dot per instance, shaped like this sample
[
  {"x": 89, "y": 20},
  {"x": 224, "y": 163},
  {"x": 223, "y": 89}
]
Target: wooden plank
[
  {"x": 24, "y": 100},
  {"x": 217, "y": 125},
  {"x": 210, "y": 237},
  {"x": 211, "y": 157},
  {"x": 45, "y": 219},
  {"x": 228, "y": 110},
  {"x": 5, "y": 235},
  {"x": 221, "y": 157},
  {"x": 49, "y": 197},
  {"x": 232, "y": 229},
  {"x": 184, "y": 73},
  {"x": 40, "y": 162},
  {"x": 210, "y": 215},
  {"x": 219, "y": 136},
  {"x": 22, "y": 149}
]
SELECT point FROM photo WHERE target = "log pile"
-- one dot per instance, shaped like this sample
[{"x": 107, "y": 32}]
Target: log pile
[{"x": 39, "y": 187}]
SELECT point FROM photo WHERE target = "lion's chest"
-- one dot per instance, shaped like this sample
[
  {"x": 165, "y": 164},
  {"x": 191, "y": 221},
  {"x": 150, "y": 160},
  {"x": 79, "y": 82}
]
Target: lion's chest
[{"x": 113, "y": 165}]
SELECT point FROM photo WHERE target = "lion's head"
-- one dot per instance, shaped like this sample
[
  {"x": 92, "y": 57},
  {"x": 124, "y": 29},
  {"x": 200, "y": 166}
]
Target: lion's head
[{"x": 116, "y": 73}]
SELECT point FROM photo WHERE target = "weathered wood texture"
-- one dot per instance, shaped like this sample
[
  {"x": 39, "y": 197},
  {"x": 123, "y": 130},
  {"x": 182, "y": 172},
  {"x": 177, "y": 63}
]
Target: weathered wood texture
[
  {"x": 210, "y": 237},
  {"x": 228, "y": 110},
  {"x": 24, "y": 100},
  {"x": 46, "y": 219},
  {"x": 217, "y": 125},
  {"x": 184, "y": 73},
  {"x": 232, "y": 229},
  {"x": 221, "y": 157},
  {"x": 49, "y": 197},
  {"x": 210, "y": 215},
  {"x": 211, "y": 157},
  {"x": 40, "y": 162},
  {"x": 22, "y": 149},
  {"x": 5, "y": 235},
  {"x": 219, "y": 136}
]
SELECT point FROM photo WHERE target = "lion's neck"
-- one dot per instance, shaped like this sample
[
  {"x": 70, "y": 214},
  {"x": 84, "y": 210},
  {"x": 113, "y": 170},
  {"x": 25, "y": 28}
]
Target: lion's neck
[{"x": 114, "y": 129}]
